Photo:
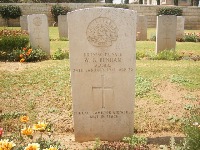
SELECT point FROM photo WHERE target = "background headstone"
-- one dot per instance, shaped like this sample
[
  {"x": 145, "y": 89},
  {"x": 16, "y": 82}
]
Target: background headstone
[
  {"x": 62, "y": 26},
  {"x": 23, "y": 22},
  {"x": 141, "y": 28},
  {"x": 39, "y": 32},
  {"x": 166, "y": 32},
  {"x": 102, "y": 63},
  {"x": 180, "y": 27}
]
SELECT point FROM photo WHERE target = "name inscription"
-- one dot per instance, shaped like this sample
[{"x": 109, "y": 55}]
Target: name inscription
[{"x": 102, "y": 62}]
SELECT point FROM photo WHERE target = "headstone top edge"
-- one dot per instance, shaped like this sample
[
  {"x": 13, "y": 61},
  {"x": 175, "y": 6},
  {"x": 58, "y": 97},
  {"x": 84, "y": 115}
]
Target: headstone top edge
[{"x": 103, "y": 8}]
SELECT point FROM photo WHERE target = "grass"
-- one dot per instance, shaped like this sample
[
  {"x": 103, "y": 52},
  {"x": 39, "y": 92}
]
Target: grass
[{"x": 43, "y": 89}]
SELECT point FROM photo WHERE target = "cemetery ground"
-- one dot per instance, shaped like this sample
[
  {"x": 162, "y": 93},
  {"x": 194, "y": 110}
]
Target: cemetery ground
[{"x": 165, "y": 91}]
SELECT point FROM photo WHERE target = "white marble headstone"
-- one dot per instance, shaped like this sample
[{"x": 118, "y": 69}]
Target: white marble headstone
[
  {"x": 23, "y": 22},
  {"x": 39, "y": 32},
  {"x": 102, "y": 63},
  {"x": 166, "y": 33},
  {"x": 141, "y": 28},
  {"x": 180, "y": 27},
  {"x": 62, "y": 26}
]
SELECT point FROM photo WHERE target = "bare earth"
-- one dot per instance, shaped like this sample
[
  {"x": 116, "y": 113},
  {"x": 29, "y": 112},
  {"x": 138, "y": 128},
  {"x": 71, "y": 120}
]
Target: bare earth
[{"x": 156, "y": 112}]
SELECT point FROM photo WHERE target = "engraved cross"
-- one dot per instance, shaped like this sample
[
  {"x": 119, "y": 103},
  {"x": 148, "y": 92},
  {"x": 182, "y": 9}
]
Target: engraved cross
[{"x": 103, "y": 88}]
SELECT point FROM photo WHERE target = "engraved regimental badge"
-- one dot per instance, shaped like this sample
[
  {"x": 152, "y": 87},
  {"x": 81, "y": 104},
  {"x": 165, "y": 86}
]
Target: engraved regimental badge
[
  {"x": 37, "y": 21},
  {"x": 102, "y": 32}
]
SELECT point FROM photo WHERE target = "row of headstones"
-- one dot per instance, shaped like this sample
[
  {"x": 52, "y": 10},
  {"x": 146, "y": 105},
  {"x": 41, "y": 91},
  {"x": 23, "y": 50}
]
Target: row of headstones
[{"x": 166, "y": 28}]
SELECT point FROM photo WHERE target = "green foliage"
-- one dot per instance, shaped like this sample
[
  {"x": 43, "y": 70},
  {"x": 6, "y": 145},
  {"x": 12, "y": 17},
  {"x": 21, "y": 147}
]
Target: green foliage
[
  {"x": 179, "y": 79},
  {"x": 192, "y": 37},
  {"x": 60, "y": 54},
  {"x": 166, "y": 55},
  {"x": 10, "y": 11},
  {"x": 135, "y": 140},
  {"x": 11, "y": 115},
  {"x": 191, "y": 128},
  {"x": 117, "y": 6},
  {"x": 170, "y": 11},
  {"x": 140, "y": 55},
  {"x": 152, "y": 37},
  {"x": 37, "y": 55},
  {"x": 57, "y": 10},
  {"x": 13, "y": 39},
  {"x": 24, "y": 56},
  {"x": 143, "y": 86}
]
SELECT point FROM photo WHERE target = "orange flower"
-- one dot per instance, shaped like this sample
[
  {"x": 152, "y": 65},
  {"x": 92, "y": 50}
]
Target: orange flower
[
  {"x": 28, "y": 53},
  {"x": 41, "y": 126},
  {"x": 24, "y": 48},
  {"x": 24, "y": 119},
  {"x": 22, "y": 60},
  {"x": 27, "y": 131},
  {"x": 30, "y": 50},
  {"x": 6, "y": 145},
  {"x": 21, "y": 55}
]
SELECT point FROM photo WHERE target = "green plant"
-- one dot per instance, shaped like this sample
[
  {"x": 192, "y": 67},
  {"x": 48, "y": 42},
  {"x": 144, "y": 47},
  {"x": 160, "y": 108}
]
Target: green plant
[
  {"x": 191, "y": 128},
  {"x": 166, "y": 55},
  {"x": 117, "y": 6},
  {"x": 170, "y": 11},
  {"x": 10, "y": 11},
  {"x": 143, "y": 86},
  {"x": 57, "y": 10},
  {"x": 191, "y": 37},
  {"x": 135, "y": 140},
  {"x": 60, "y": 54},
  {"x": 13, "y": 39},
  {"x": 153, "y": 37}
]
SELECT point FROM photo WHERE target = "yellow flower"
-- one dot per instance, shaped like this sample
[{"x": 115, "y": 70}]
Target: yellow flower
[
  {"x": 22, "y": 60},
  {"x": 51, "y": 148},
  {"x": 27, "y": 131},
  {"x": 6, "y": 145},
  {"x": 41, "y": 126},
  {"x": 33, "y": 146},
  {"x": 24, "y": 119}
]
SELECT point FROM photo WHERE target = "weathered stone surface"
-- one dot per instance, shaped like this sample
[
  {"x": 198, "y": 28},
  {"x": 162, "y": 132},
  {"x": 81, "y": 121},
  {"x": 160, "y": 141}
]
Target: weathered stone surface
[
  {"x": 62, "y": 26},
  {"x": 141, "y": 28},
  {"x": 39, "y": 32},
  {"x": 23, "y": 22},
  {"x": 102, "y": 63},
  {"x": 180, "y": 27},
  {"x": 166, "y": 33}
]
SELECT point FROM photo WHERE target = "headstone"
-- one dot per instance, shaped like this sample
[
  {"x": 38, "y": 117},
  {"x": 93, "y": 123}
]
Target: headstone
[
  {"x": 102, "y": 63},
  {"x": 180, "y": 27},
  {"x": 141, "y": 28},
  {"x": 62, "y": 26},
  {"x": 166, "y": 33},
  {"x": 39, "y": 32},
  {"x": 23, "y": 22}
]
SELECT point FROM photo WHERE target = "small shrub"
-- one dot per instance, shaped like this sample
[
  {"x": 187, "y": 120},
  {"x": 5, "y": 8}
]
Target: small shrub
[
  {"x": 117, "y": 6},
  {"x": 143, "y": 86},
  {"x": 13, "y": 39},
  {"x": 153, "y": 37},
  {"x": 140, "y": 55},
  {"x": 191, "y": 37},
  {"x": 166, "y": 55},
  {"x": 135, "y": 140},
  {"x": 191, "y": 128},
  {"x": 60, "y": 54},
  {"x": 10, "y": 11},
  {"x": 32, "y": 55},
  {"x": 170, "y": 11},
  {"x": 57, "y": 10}
]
